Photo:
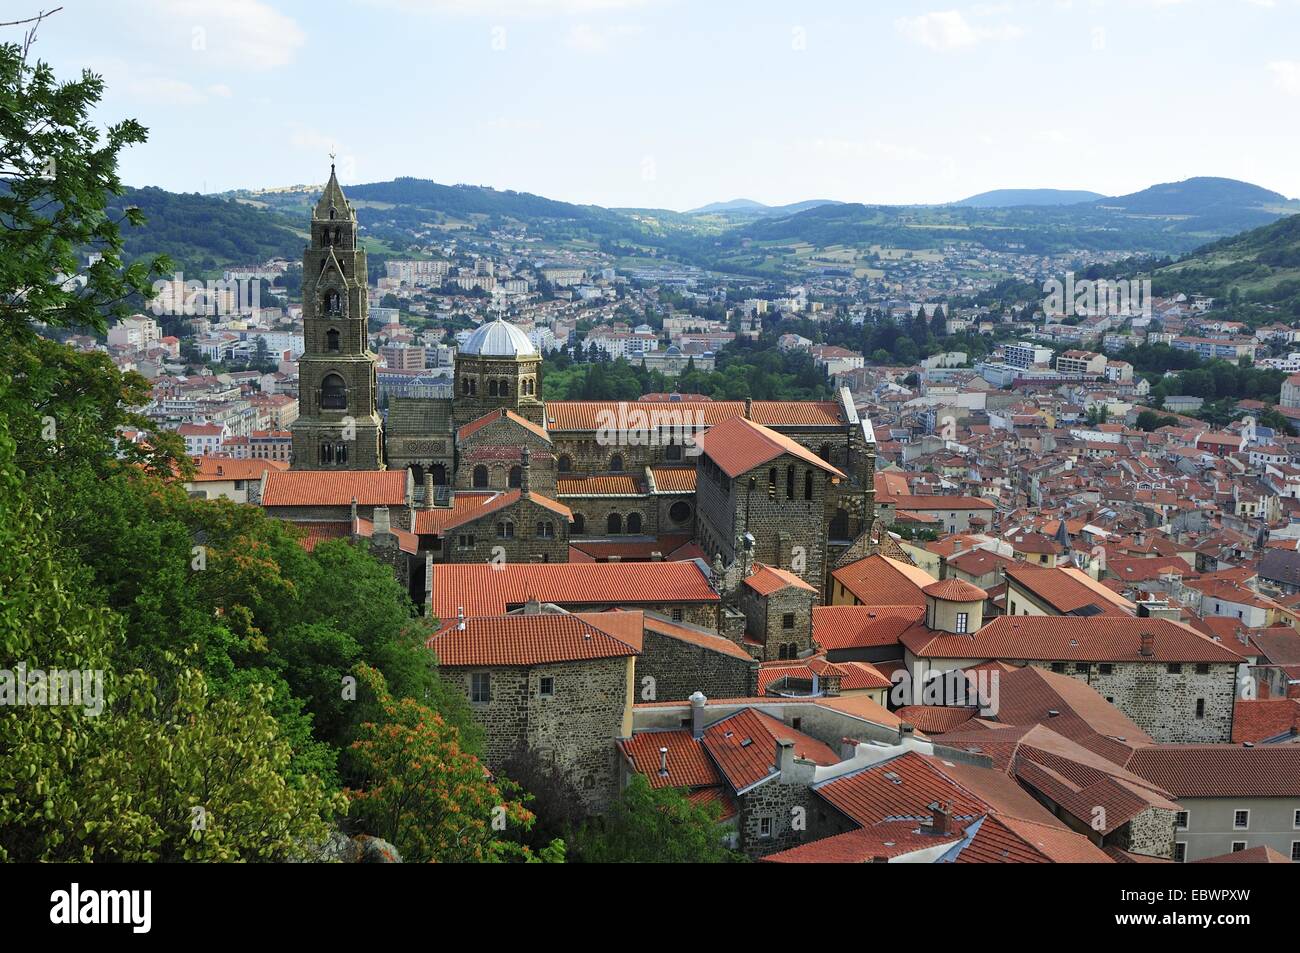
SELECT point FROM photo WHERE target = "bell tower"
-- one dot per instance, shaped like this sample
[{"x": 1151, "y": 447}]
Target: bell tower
[{"x": 338, "y": 425}]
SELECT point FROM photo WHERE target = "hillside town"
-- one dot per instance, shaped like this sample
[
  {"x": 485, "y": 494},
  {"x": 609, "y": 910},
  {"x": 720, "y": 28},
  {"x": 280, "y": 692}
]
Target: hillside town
[{"x": 1006, "y": 602}]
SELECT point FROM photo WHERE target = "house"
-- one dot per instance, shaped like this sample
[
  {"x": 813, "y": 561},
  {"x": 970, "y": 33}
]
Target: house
[
  {"x": 1032, "y": 590},
  {"x": 550, "y": 682}
]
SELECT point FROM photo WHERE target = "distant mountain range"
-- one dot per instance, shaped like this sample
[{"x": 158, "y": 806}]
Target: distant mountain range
[
  {"x": 749, "y": 206},
  {"x": 1010, "y": 198},
  {"x": 740, "y": 236}
]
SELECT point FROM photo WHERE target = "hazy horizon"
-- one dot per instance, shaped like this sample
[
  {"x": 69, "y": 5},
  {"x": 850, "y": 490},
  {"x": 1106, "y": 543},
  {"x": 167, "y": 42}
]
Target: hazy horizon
[{"x": 655, "y": 104}]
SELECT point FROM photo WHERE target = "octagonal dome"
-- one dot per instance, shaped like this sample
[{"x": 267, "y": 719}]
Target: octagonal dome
[{"x": 499, "y": 339}]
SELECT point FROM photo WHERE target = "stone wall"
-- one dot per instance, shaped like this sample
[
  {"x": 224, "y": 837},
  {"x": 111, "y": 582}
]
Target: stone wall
[
  {"x": 578, "y": 726},
  {"x": 680, "y": 669},
  {"x": 1163, "y": 703}
]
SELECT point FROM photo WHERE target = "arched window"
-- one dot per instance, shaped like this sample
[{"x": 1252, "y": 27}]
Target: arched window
[
  {"x": 546, "y": 530},
  {"x": 480, "y": 477},
  {"x": 504, "y": 390},
  {"x": 579, "y": 524},
  {"x": 505, "y": 530},
  {"x": 439, "y": 474},
  {"x": 333, "y": 302},
  {"x": 516, "y": 477},
  {"x": 464, "y": 386},
  {"x": 492, "y": 388},
  {"x": 840, "y": 525},
  {"x": 634, "y": 523},
  {"x": 789, "y": 483},
  {"x": 614, "y": 525},
  {"x": 333, "y": 393},
  {"x": 565, "y": 463},
  {"x": 417, "y": 474},
  {"x": 808, "y": 485},
  {"x": 332, "y": 339},
  {"x": 616, "y": 463}
]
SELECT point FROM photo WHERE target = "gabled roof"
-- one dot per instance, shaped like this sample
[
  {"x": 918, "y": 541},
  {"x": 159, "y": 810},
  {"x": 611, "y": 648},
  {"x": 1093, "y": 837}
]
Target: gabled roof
[
  {"x": 468, "y": 507},
  {"x": 880, "y": 580},
  {"x": 743, "y": 746},
  {"x": 866, "y": 626},
  {"x": 1069, "y": 591},
  {"x": 739, "y": 445},
  {"x": 484, "y": 589},
  {"x": 335, "y": 487},
  {"x": 766, "y": 580},
  {"x": 538, "y": 638},
  {"x": 219, "y": 469},
  {"x": 1214, "y": 771},
  {"x": 689, "y": 765},
  {"x": 1072, "y": 639},
  {"x": 504, "y": 414}
]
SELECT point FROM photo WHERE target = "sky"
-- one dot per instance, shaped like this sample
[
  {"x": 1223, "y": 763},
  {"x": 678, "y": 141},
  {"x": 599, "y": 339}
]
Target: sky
[{"x": 677, "y": 103}]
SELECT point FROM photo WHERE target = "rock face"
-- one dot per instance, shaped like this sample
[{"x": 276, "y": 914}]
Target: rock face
[{"x": 362, "y": 849}]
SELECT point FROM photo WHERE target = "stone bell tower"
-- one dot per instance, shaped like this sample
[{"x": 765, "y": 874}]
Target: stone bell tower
[{"x": 338, "y": 425}]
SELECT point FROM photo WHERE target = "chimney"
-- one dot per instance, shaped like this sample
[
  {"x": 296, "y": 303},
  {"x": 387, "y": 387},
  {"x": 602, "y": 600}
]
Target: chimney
[
  {"x": 525, "y": 462},
  {"x": 1148, "y": 648},
  {"x": 354, "y": 509},
  {"x": 784, "y": 755},
  {"x": 382, "y": 525},
  {"x": 428, "y": 490},
  {"x": 698, "y": 701},
  {"x": 749, "y": 408},
  {"x": 663, "y": 762},
  {"x": 941, "y": 815},
  {"x": 460, "y": 618},
  {"x": 905, "y": 730}
]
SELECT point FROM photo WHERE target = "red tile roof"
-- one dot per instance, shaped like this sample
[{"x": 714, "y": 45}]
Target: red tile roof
[
  {"x": 853, "y": 676},
  {"x": 577, "y": 415},
  {"x": 606, "y": 485},
  {"x": 335, "y": 487},
  {"x": 1261, "y": 854},
  {"x": 673, "y": 479},
  {"x": 856, "y": 627},
  {"x": 695, "y": 636},
  {"x": 1221, "y": 770},
  {"x": 955, "y": 590},
  {"x": 214, "y": 469},
  {"x": 766, "y": 580},
  {"x": 315, "y": 533},
  {"x": 1072, "y": 639},
  {"x": 468, "y": 507},
  {"x": 880, "y": 580},
  {"x": 474, "y": 426},
  {"x": 1068, "y": 590},
  {"x": 538, "y": 638},
  {"x": 485, "y": 589},
  {"x": 739, "y": 445},
  {"x": 689, "y": 765},
  {"x": 935, "y": 719},
  {"x": 1261, "y": 719},
  {"x": 743, "y": 746}
]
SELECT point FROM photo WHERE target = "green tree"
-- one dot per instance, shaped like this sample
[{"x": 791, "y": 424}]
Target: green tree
[
  {"x": 417, "y": 787},
  {"x": 654, "y": 826}
]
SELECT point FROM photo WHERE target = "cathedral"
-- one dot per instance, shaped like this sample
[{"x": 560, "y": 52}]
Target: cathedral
[{"x": 496, "y": 473}]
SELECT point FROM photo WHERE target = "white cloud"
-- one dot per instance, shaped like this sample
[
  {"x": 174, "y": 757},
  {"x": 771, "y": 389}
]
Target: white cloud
[
  {"x": 244, "y": 33},
  {"x": 1286, "y": 74},
  {"x": 951, "y": 30}
]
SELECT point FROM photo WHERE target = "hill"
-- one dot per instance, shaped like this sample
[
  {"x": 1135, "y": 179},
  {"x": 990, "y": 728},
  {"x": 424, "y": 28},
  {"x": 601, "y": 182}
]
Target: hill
[
  {"x": 203, "y": 233},
  {"x": 1226, "y": 205},
  {"x": 1010, "y": 198},
  {"x": 1257, "y": 268}
]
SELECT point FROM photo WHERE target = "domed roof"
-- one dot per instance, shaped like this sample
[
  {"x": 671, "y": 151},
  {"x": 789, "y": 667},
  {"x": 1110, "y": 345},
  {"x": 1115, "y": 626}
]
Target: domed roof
[
  {"x": 499, "y": 339},
  {"x": 954, "y": 590}
]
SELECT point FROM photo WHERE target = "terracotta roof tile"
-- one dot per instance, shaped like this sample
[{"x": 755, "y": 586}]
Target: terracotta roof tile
[
  {"x": 538, "y": 638},
  {"x": 739, "y": 445},
  {"x": 854, "y": 627},
  {"x": 743, "y": 746},
  {"x": 484, "y": 589},
  {"x": 335, "y": 487},
  {"x": 766, "y": 580},
  {"x": 880, "y": 580},
  {"x": 673, "y": 479},
  {"x": 689, "y": 765}
]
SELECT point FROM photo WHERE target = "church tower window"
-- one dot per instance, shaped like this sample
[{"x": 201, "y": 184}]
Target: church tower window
[
  {"x": 333, "y": 393},
  {"x": 480, "y": 477},
  {"x": 332, "y": 339}
]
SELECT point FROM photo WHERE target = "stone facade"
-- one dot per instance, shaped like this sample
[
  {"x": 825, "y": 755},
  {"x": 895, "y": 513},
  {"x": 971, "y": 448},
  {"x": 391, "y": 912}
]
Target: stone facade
[
  {"x": 1191, "y": 706},
  {"x": 680, "y": 668},
  {"x": 577, "y": 726},
  {"x": 781, "y": 621},
  {"x": 338, "y": 426}
]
